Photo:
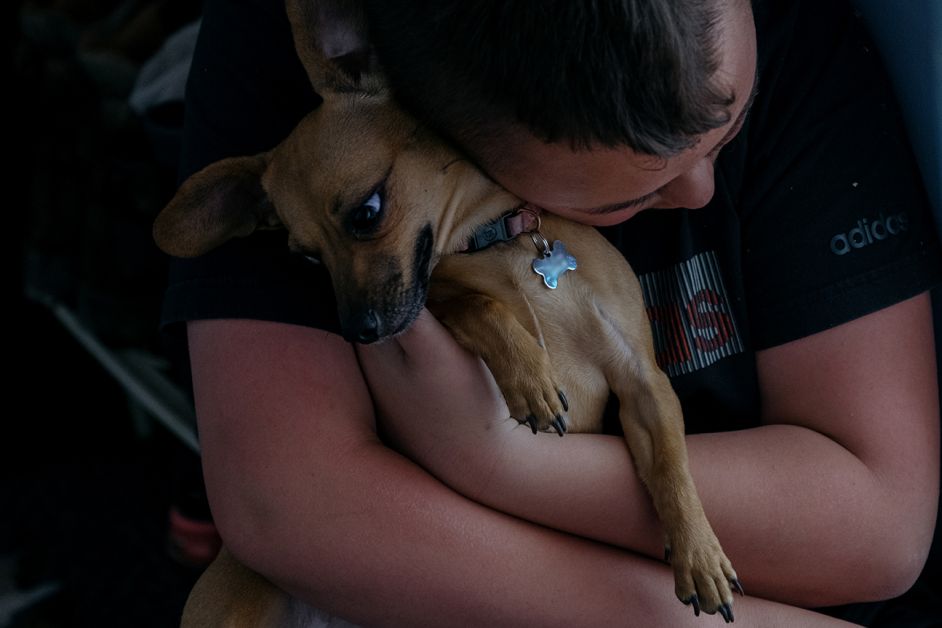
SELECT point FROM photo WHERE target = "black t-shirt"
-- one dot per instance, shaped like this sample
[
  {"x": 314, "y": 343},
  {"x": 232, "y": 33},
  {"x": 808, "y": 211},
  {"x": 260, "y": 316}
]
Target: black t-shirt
[{"x": 819, "y": 216}]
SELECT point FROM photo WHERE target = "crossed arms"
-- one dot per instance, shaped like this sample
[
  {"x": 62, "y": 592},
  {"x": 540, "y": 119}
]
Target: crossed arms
[{"x": 832, "y": 500}]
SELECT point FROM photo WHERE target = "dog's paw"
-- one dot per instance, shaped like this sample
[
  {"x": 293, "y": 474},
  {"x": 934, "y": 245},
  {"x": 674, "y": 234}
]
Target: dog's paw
[
  {"x": 526, "y": 379},
  {"x": 704, "y": 578},
  {"x": 538, "y": 403}
]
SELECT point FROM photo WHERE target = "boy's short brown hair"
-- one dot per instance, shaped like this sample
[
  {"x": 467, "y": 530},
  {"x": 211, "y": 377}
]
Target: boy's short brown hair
[{"x": 638, "y": 73}]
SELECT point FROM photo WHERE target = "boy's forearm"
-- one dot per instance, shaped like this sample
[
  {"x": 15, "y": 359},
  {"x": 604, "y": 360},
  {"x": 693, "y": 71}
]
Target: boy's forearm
[
  {"x": 404, "y": 550},
  {"x": 832, "y": 501},
  {"x": 791, "y": 507}
]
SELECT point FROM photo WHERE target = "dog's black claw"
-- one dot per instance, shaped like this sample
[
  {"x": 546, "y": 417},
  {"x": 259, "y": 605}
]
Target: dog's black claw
[
  {"x": 727, "y": 612},
  {"x": 667, "y": 554},
  {"x": 560, "y": 425},
  {"x": 737, "y": 585},
  {"x": 693, "y": 599},
  {"x": 531, "y": 421},
  {"x": 563, "y": 400}
]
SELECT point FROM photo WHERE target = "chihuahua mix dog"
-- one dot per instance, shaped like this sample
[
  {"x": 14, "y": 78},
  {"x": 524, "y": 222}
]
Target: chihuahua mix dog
[{"x": 397, "y": 216}]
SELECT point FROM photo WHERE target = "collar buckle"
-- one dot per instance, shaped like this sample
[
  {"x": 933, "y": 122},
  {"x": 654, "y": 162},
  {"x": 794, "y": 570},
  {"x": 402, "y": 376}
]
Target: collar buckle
[{"x": 504, "y": 228}]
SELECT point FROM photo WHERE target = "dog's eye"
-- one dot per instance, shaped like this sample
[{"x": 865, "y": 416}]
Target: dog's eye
[
  {"x": 312, "y": 259},
  {"x": 365, "y": 217}
]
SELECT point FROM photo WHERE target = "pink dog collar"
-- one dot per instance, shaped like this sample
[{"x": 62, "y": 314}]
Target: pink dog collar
[{"x": 524, "y": 219}]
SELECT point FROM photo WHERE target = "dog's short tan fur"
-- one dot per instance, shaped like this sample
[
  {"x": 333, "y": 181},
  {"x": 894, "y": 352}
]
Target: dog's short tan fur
[{"x": 589, "y": 336}]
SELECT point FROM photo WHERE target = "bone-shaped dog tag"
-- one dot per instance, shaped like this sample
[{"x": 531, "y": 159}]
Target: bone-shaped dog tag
[{"x": 555, "y": 261}]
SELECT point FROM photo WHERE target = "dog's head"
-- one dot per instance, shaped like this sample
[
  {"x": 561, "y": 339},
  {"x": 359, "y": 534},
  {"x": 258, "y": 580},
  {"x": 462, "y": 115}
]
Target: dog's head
[{"x": 358, "y": 184}]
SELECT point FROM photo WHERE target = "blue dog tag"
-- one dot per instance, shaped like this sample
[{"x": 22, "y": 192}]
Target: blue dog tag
[{"x": 554, "y": 263}]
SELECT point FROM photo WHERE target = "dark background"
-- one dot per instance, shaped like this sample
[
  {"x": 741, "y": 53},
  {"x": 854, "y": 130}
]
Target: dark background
[
  {"x": 85, "y": 496},
  {"x": 85, "y": 492}
]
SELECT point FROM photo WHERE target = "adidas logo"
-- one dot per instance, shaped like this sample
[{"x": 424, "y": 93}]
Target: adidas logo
[{"x": 867, "y": 232}]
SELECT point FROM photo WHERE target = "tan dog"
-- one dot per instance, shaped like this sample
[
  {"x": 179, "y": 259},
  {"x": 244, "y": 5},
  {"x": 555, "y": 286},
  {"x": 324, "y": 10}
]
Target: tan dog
[{"x": 383, "y": 203}]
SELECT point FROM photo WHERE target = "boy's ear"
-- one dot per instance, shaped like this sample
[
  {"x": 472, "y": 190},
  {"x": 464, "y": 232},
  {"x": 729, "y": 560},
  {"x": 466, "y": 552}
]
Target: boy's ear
[
  {"x": 332, "y": 41},
  {"x": 222, "y": 201}
]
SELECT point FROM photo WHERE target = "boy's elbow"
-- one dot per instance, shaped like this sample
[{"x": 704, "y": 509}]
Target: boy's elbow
[
  {"x": 899, "y": 552},
  {"x": 260, "y": 535},
  {"x": 900, "y": 567},
  {"x": 298, "y": 527},
  {"x": 243, "y": 530}
]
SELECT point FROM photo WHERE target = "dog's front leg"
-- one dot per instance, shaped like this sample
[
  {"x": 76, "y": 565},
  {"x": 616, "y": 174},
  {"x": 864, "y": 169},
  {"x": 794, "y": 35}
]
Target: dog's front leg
[
  {"x": 518, "y": 362},
  {"x": 653, "y": 424}
]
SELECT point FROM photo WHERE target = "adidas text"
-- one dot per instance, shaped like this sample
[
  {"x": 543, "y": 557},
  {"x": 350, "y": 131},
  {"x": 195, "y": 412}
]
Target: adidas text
[{"x": 867, "y": 232}]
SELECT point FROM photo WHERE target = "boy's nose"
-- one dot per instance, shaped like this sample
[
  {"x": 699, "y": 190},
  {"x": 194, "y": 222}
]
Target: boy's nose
[{"x": 693, "y": 189}]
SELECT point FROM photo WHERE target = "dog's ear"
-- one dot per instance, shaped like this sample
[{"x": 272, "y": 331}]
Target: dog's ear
[
  {"x": 332, "y": 42},
  {"x": 224, "y": 200}
]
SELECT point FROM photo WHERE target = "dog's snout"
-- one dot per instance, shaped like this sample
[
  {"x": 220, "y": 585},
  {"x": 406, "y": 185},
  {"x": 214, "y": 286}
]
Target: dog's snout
[{"x": 366, "y": 328}]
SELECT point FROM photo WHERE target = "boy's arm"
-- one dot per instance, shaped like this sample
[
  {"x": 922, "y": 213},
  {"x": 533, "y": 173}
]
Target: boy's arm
[
  {"x": 832, "y": 500},
  {"x": 304, "y": 493}
]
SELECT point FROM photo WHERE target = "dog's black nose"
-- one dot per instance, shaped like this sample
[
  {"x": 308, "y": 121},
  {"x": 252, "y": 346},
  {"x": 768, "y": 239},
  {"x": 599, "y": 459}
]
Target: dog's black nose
[{"x": 367, "y": 330}]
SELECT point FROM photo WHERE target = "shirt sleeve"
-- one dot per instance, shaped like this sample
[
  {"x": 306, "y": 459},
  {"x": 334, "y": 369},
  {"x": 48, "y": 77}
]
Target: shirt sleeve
[
  {"x": 835, "y": 220},
  {"x": 245, "y": 93}
]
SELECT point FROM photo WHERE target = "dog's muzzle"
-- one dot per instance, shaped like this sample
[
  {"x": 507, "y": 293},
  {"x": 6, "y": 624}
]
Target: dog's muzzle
[{"x": 364, "y": 327}]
